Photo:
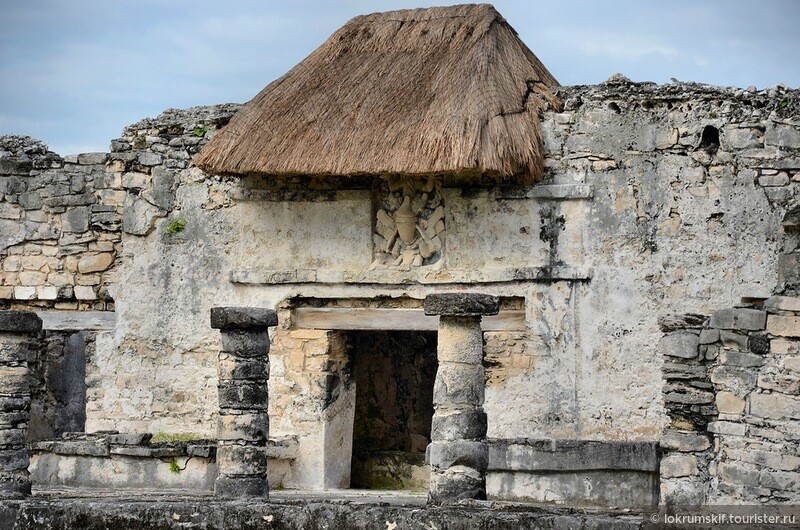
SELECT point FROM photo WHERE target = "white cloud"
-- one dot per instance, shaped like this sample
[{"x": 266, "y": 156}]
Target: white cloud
[{"x": 607, "y": 44}]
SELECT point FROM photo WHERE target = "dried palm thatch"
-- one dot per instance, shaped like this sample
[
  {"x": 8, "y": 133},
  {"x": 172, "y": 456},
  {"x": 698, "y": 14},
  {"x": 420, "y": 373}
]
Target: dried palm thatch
[{"x": 446, "y": 90}]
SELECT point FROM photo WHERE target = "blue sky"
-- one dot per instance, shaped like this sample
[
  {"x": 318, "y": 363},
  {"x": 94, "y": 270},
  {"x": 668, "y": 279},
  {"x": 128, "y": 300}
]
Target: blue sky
[{"x": 75, "y": 72}]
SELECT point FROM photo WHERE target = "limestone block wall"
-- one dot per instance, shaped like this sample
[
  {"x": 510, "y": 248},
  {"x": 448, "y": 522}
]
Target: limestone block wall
[
  {"x": 732, "y": 391},
  {"x": 690, "y": 400},
  {"x": 59, "y": 227},
  {"x": 314, "y": 398},
  {"x": 758, "y": 398},
  {"x": 60, "y": 219}
]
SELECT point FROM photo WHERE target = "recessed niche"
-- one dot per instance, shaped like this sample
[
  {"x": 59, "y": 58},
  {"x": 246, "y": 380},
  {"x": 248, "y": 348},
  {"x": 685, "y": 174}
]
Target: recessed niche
[{"x": 710, "y": 138}]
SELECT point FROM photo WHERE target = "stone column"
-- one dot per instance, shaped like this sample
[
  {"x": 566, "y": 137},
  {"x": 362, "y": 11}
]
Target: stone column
[
  {"x": 458, "y": 453},
  {"x": 18, "y": 330},
  {"x": 243, "y": 424}
]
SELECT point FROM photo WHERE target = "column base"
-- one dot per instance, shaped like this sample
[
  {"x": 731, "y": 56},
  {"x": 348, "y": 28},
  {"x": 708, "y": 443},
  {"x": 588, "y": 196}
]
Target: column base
[
  {"x": 15, "y": 485},
  {"x": 455, "y": 484},
  {"x": 236, "y": 487}
]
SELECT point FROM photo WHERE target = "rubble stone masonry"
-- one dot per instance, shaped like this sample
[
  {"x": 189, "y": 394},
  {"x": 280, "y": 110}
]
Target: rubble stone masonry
[{"x": 60, "y": 223}]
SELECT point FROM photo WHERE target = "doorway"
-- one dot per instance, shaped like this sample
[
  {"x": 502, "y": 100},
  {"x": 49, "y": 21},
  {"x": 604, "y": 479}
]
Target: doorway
[{"x": 394, "y": 372}]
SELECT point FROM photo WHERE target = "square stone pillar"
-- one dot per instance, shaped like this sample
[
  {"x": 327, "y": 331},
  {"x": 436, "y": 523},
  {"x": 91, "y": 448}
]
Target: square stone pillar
[
  {"x": 458, "y": 454},
  {"x": 243, "y": 424},
  {"x": 18, "y": 334}
]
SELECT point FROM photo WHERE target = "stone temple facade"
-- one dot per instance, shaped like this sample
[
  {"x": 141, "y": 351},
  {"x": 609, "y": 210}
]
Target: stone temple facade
[{"x": 624, "y": 333}]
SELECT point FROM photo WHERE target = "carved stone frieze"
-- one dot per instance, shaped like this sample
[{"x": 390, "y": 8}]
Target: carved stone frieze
[{"x": 409, "y": 222}]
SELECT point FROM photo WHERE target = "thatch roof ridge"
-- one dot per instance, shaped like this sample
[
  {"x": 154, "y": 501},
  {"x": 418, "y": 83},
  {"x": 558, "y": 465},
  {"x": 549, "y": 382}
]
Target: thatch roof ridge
[
  {"x": 417, "y": 91},
  {"x": 483, "y": 13}
]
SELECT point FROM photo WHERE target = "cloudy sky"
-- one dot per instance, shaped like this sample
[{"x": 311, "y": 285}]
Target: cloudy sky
[{"x": 75, "y": 72}]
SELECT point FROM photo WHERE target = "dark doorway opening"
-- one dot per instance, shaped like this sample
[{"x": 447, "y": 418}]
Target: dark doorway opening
[
  {"x": 58, "y": 400},
  {"x": 394, "y": 373}
]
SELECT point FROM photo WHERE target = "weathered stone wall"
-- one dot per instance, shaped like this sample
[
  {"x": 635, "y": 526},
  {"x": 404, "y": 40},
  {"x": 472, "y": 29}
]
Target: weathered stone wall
[
  {"x": 59, "y": 227},
  {"x": 171, "y": 269},
  {"x": 60, "y": 237},
  {"x": 314, "y": 399},
  {"x": 134, "y": 463},
  {"x": 657, "y": 200},
  {"x": 661, "y": 222},
  {"x": 574, "y": 472},
  {"x": 675, "y": 226}
]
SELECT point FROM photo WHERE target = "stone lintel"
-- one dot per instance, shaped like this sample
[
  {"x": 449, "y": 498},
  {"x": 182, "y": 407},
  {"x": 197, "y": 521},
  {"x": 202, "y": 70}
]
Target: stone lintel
[
  {"x": 58, "y": 320},
  {"x": 227, "y": 318},
  {"x": 401, "y": 319},
  {"x": 461, "y": 304},
  {"x": 20, "y": 322}
]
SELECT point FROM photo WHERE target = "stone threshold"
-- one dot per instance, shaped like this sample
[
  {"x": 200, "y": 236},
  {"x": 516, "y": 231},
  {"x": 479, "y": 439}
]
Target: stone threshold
[
  {"x": 261, "y": 276},
  {"x": 393, "y": 497},
  {"x": 333, "y": 511}
]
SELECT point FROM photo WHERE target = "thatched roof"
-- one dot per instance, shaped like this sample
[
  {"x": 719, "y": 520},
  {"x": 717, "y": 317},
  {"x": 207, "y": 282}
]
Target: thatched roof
[{"x": 440, "y": 90}]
